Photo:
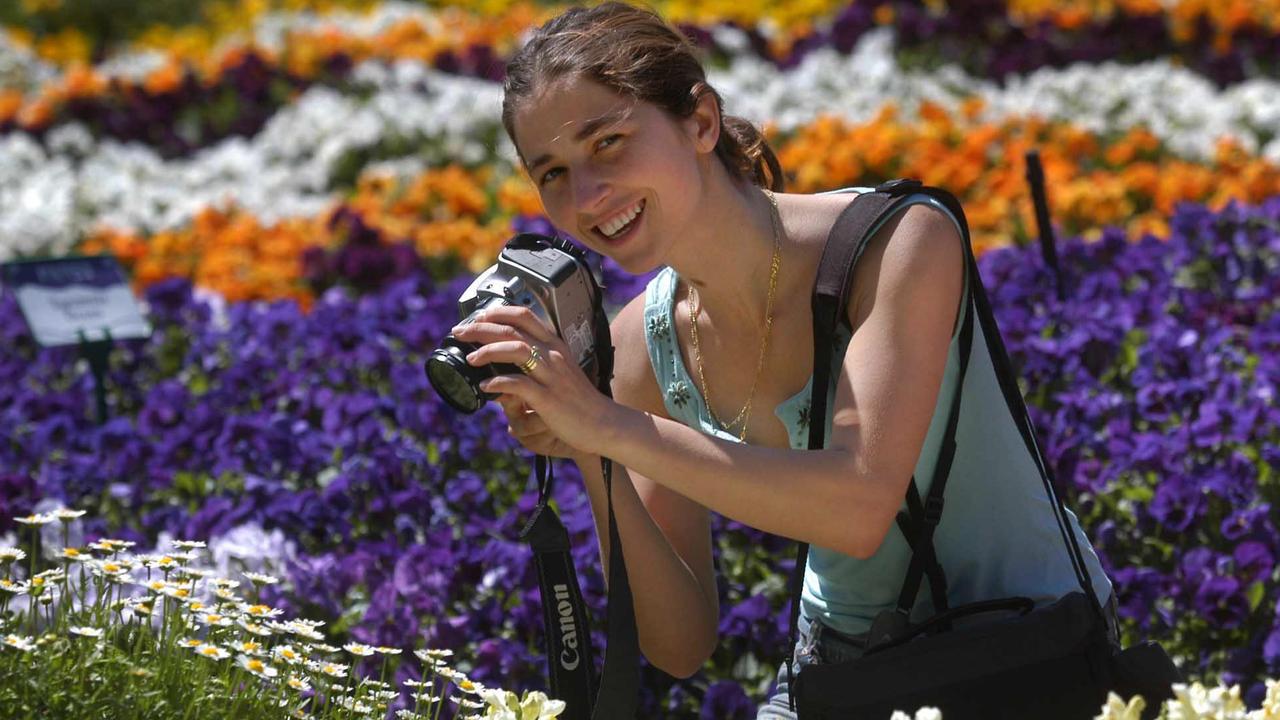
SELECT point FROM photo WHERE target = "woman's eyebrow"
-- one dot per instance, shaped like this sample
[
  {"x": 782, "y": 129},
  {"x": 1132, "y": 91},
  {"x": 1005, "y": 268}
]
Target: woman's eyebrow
[{"x": 588, "y": 128}]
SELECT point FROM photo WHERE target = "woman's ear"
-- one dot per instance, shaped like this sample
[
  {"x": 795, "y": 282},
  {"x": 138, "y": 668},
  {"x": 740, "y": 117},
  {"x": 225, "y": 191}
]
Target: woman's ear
[{"x": 704, "y": 125}]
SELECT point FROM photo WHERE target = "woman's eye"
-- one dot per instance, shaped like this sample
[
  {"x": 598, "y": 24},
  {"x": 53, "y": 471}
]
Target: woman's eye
[{"x": 549, "y": 175}]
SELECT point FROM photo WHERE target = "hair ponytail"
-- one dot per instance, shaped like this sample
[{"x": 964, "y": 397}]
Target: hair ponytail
[
  {"x": 634, "y": 52},
  {"x": 743, "y": 146}
]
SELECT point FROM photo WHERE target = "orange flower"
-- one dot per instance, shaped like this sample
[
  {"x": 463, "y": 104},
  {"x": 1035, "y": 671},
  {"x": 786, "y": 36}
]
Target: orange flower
[
  {"x": 83, "y": 81},
  {"x": 10, "y": 105},
  {"x": 164, "y": 79}
]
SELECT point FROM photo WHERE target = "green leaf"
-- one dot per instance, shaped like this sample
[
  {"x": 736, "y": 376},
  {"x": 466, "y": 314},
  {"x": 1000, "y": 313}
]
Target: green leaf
[{"x": 1256, "y": 593}]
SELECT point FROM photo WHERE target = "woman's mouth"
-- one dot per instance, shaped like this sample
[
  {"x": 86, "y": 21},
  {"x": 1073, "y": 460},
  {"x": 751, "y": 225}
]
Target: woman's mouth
[{"x": 624, "y": 233}]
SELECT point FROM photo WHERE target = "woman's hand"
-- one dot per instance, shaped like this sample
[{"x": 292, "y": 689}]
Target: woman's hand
[
  {"x": 554, "y": 406},
  {"x": 530, "y": 431}
]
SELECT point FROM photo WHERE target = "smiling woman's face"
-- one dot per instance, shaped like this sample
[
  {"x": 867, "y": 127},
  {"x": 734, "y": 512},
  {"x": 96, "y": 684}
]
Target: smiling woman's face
[{"x": 592, "y": 176}]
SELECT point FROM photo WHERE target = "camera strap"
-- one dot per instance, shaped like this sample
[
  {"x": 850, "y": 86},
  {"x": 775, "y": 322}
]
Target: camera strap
[{"x": 570, "y": 657}]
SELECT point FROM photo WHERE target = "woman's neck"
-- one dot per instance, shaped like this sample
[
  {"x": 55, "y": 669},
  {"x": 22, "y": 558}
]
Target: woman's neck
[{"x": 727, "y": 254}]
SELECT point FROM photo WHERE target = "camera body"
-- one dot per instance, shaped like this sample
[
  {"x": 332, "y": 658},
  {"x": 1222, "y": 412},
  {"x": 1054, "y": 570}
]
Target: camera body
[{"x": 550, "y": 277}]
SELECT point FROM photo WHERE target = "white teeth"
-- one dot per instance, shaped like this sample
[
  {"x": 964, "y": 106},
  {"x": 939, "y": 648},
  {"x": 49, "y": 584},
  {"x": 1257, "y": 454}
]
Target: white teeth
[{"x": 620, "y": 222}]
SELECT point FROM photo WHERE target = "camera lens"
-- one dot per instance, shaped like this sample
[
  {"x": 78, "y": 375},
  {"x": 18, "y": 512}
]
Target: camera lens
[{"x": 455, "y": 380}]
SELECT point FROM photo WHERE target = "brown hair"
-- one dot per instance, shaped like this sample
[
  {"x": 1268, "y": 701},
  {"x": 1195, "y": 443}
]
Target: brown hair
[{"x": 634, "y": 52}]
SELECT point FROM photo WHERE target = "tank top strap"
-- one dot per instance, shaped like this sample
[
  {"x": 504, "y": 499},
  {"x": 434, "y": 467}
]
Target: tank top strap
[{"x": 660, "y": 341}]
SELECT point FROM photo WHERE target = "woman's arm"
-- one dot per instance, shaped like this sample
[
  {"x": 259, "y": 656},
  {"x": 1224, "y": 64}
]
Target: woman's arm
[
  {"x": 667, "y": 547},
  {"x": 846, "y": 496},
  {"x": 666, "y": 536}
]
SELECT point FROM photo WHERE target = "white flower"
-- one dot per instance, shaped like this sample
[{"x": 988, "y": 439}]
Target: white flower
[
  {"x": 180, "y": 592},
  {"x": 359, "y": 649},
  {"x": 215, "y": 619},
  {"x": 297, "y": 683},
  {"x": 66, "y": 515},
  {"x": 431, "y": 655},
  {"x": 76, "y": 554},
  {"x": 416, "y": 685},
  {"x": 330, "y": 669},
  {"x": 9, "y": 554},
  {"x": 35, "y": 520},
  {"x": 14, "y": 588},
  {"x": 187, "y": 544},
  {"x": 257, "y": 667},
  {"x": 1195, "y": 702},
  {"x": 260, "y": 611},
  {"x": 254, "y": 628},
  {"x": 354, "y": 705},
  {"x": 248, "y": 647},
  {"x": 506, "y": 705},
  {"x": 212, "y": 652},
  {"x": 287, "y": 654},
  {"x": 1270, "y": 709},
  {"x": 260, "y": 579},
  {"x": 110, "y": 568},
  {"x": 85, "y": 631},
  {"x": 20, "y": 642}
]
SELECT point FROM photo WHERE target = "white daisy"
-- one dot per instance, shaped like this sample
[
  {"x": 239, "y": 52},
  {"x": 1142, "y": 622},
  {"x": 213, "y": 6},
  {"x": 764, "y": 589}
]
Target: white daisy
[
  {"x": 9, "y": 554},
  {"x": 261, "y": 611},
  {"x": 254, "y": 628},
  {"x": 215, "y": 619},
  {"x": 35, "y": 519},
  {"x": 359, "y": 649},
  {"x": 14, "y": 588},
  {"x": 297, "y": 683},
  {"x": 85, "y": 631},
  {"x": 333, "y": 669},
  {"x": 431, "y": 655},
  {"x": 247, "y": 647},
  {"x": 21, "y": 642},
  {"x": 213, "y": 652},
  {"x": 415, "y": 684},
  {"x": 260, "y": 579},
  {"x": 286, "y": 653},
  {"x": 257, "y": 667}
]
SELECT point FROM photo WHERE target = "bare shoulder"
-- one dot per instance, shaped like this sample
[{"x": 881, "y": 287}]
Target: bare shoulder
[
  {"x": 634, "y": 384},
  {"x": 918, "y": 247}
]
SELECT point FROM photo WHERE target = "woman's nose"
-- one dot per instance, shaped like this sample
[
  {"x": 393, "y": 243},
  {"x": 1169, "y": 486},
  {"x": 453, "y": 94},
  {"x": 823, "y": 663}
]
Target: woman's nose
[{"x": 589, "y": 192}]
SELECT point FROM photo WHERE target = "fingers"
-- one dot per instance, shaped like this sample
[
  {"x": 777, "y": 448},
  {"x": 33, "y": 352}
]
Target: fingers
[
  {"x": 506, "y": 323},
  {"x": 505, "y": 351},
  {"x": 526, "y": 424}
]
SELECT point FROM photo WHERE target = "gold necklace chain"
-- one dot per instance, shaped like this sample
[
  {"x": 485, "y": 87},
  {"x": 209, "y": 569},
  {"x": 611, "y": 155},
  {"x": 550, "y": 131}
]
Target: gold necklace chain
[{"x": 744, "y": 415}]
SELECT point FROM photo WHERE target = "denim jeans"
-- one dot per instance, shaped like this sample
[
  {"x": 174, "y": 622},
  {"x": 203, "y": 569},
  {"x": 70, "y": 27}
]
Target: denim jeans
[{"x": 818, "y": 643}]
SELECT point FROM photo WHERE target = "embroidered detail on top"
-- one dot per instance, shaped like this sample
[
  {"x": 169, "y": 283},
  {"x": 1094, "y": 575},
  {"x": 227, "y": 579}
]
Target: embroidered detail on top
[
  {"x": 804, "y": 415},
  {"x": 659, "y": 327},
  {"x": 678, "y": 392}
]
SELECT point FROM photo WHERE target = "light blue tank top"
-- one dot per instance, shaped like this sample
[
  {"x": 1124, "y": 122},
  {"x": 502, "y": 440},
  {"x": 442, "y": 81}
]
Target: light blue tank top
[{"x": 998, "y": 536}]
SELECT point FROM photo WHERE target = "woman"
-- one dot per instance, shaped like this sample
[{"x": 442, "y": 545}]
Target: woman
[{"x": 632, "y": 154}]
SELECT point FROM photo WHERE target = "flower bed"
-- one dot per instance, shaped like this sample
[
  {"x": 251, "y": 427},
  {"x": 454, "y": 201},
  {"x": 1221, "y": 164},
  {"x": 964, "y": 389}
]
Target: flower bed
[
  {"x": 302, "y": 248},
  {"x": 404, "y": 515}
]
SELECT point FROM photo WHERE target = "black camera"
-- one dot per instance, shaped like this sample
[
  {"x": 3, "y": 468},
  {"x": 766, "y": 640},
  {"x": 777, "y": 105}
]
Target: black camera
[{"x": 550, "y": 277}]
